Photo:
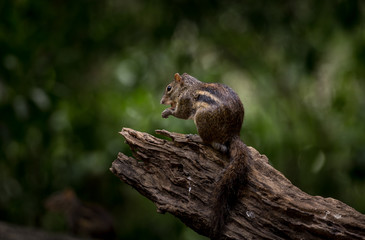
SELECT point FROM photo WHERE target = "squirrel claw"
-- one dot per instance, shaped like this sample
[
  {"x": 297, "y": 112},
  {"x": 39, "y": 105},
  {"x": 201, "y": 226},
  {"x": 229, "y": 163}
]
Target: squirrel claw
[
  {"x": 166, "y": 113},
  {"x": 194, "y": 138}
]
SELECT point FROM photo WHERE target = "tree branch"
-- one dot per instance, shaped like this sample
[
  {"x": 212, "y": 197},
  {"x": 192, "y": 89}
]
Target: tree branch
[{"x": 179, "y": 177}]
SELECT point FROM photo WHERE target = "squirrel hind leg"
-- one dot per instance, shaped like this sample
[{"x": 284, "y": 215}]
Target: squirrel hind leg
[{"x": 220, "y": 147}]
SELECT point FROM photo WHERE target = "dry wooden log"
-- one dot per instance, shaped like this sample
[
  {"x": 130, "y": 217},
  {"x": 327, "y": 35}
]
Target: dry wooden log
[{"x": 179, "y": 177}]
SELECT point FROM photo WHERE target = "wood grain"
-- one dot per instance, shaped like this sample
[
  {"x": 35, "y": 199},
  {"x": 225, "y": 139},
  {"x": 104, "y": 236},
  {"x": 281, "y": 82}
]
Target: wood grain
[{"x": 179, "y": 177}]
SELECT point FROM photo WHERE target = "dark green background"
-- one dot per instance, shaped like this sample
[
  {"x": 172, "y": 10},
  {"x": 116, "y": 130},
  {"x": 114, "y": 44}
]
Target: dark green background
[{"x": 73, "y": 73}]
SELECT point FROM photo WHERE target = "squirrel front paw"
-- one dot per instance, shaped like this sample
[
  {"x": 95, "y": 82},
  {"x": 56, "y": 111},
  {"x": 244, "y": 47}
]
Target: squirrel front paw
[{"x": 166, "y": 113}]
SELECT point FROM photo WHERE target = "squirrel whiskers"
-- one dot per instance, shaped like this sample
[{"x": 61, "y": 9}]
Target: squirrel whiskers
[{"x": 218, "y": 115}]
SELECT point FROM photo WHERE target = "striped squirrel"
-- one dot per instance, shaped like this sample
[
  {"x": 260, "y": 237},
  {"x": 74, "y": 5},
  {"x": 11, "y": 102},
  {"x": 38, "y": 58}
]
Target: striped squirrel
[{"x": 218, "y": 115}]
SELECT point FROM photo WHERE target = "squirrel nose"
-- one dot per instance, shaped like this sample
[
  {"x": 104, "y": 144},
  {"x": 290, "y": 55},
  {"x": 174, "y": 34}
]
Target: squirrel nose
[{"x": 163, "y": 100}]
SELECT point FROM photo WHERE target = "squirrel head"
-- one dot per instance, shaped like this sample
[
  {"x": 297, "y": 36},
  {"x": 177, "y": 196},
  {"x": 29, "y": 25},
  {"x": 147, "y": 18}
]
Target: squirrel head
[
  {"x": 173, "y": 91},
  {"x": 178, "y": 86}
]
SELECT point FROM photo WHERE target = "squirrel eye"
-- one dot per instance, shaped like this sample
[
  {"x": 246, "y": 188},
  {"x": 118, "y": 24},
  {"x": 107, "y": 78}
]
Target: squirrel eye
[{"x": 168, "y": 88}]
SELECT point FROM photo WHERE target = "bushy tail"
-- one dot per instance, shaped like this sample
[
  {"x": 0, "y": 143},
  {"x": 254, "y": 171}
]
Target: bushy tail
[{"x": 229, "y": 185}]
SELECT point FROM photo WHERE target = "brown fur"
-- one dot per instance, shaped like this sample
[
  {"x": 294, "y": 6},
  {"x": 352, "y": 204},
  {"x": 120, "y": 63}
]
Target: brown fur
[{"x": 218, "y": 115}]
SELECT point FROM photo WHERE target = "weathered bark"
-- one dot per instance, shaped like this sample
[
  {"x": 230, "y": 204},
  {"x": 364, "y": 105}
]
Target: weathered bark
[{"x": 179, "y": 177}]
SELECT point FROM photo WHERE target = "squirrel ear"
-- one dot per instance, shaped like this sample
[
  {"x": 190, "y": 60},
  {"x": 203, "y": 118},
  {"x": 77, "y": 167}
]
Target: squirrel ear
[{"x": 178, "y": 78}]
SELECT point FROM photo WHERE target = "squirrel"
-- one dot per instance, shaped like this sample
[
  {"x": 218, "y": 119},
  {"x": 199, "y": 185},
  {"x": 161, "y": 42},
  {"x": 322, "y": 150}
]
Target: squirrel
[
  {"x": 218, "y": 114},
  {"x": 85, "y": 219}
]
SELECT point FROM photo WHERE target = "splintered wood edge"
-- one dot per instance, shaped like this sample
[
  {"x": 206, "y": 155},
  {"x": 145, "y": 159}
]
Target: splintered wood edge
[
  {"x": 180, "y": 137},
  {"x": 127, "y": 169},
  {"x": 129, "y": 133},
  {"x": 165, "y": 133}
]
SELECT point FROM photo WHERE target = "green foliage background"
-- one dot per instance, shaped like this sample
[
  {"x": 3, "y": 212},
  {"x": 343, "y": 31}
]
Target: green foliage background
[{"x": 73, "y": 73}]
